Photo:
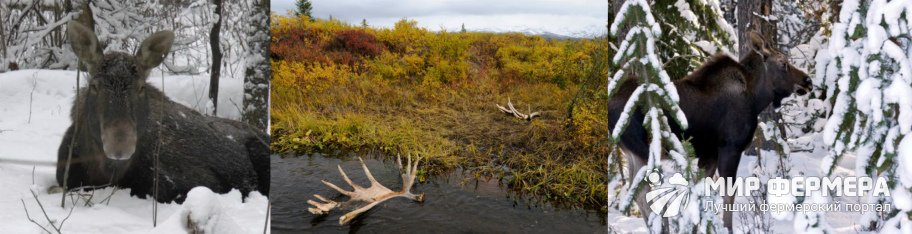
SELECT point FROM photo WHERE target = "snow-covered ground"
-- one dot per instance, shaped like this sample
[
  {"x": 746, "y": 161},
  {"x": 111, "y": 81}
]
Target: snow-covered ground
[
  {"x": 34, "y": 113},
  {"x": 806, "y": 163}
]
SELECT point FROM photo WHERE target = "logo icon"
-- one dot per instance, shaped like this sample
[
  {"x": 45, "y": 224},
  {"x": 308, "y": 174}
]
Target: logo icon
[{"x": 668, "y": 198}]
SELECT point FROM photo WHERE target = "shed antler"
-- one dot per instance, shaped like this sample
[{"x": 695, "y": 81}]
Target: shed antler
[
  {"x": 375, "y": 194},
  {"x": 510, "y": 110}
]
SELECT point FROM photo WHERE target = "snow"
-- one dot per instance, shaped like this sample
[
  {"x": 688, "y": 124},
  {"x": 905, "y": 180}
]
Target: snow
[
  {"x": 209, "y": 212},
  {"x": 621, "y": 18},
  {"x": 686, "y": 13},
  {"x": 901, "y": 93},
  {"x": 707, "y": 47},
  {"x": 867, "y": 79},
  {"x": 34, "y": 113},
  {"x": 905, "y": 164}
]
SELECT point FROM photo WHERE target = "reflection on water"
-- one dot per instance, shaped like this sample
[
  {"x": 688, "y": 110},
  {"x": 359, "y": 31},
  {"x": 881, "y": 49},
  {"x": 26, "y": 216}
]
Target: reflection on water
[{"x": 449, "y": 207}]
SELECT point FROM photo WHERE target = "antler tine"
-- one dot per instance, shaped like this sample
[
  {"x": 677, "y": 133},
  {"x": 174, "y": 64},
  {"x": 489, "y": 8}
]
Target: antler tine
[
  {"x": 399, "y": 161},
  {"x": 367, "y": 173},
  {"x": 516, "y": 113},
  {"x": 408, "y": 176},
  {"x": 347, "y": 180},
  {"x": 321, "y": 208},
  {"x": 331, "y": 185},
  {"x": 409, "y": 170},
  {"x": 415, "y": 167},
  {"x": 503, "y": 109},
  {"x": 351, "y": 215},
  {"x": 322, "y": 198}
]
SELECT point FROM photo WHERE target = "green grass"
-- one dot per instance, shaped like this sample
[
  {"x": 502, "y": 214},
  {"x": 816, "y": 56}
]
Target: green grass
[{"x": 548, "y": 158}]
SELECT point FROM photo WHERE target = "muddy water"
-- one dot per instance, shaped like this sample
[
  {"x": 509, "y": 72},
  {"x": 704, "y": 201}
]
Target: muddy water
[{"x": 453, "y": 203}]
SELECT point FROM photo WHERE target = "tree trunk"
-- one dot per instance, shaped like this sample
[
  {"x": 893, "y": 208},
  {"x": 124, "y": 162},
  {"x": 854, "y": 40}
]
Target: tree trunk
[
  {"x": 3, "y": 19},
  {"x": 752, "y": 16},
  {"x": 216, "y": 67},
  {"x": 613, "y": 9},
  {"x": 258, "y": 70}
]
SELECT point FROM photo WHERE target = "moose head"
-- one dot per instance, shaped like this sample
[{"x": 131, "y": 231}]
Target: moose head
[
  {"x": 116, "y": 100},
  {"x": 774, "y": 71}
]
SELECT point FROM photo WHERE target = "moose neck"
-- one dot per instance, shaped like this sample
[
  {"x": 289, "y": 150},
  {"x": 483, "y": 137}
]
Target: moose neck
[{"x": 759, "y": 83}]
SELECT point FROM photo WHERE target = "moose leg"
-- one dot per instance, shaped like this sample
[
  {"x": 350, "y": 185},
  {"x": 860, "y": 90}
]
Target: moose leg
[
  {"x": 634, "y": 163},
  {"x": 729, "y": 158},
  {"x": 258, "y": 153}
]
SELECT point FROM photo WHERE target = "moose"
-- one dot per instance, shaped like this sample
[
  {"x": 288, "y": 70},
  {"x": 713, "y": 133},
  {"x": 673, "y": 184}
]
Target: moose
[
  {"x": 122, "y": 124},
  {"x": 721, "y": 100}
]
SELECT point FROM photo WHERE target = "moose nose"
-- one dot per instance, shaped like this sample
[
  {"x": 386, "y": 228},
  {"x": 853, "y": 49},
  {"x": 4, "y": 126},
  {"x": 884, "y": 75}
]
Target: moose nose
[
  {"x": 119, "y": 140},
  {"x": 119, "y": 155}
]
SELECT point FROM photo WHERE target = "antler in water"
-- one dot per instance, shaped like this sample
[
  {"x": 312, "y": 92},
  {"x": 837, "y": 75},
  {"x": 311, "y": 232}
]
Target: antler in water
[{"x": 375, "y": 194}]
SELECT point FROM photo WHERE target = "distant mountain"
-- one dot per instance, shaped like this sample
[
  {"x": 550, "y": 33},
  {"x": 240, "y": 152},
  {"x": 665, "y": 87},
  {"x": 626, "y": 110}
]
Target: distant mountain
[
  {"x": 554, "y": 36},
  {"x": 535, "y": 32}
]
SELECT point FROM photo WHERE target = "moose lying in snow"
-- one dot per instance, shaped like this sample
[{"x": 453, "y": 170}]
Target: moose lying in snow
[
  {"x": 721, "y": 101},
  {"x": 121, "y": 123}
]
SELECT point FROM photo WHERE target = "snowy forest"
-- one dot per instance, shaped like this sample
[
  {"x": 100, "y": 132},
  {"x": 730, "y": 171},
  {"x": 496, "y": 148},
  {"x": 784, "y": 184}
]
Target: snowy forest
[
  {"x": 855, "y": 121},
  {"x": 33, "y": 37},
  {"x": 217, "y": 65}
]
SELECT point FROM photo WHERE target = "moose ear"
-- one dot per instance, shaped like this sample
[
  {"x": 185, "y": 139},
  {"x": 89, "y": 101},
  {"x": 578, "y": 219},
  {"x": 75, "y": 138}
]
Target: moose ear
[
  {"x": 758, "y": 44},
  {"x": 85, "y": 45},
  {"x": 154, "y": 49}
]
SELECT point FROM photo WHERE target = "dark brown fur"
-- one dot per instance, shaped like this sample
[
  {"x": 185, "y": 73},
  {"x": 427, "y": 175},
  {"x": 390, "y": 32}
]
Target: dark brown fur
[
  {"x": 141, "y": 123},
  {"x": 721, "y": 100}
]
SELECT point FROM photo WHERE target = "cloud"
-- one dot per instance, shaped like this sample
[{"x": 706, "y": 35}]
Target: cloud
[
  {"x": 677, "y": 179},
  {"x": 567, "y": 17}
]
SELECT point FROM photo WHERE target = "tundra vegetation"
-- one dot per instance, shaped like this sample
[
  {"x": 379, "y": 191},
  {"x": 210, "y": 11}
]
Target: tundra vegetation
[{"x": 340, "y": 89}]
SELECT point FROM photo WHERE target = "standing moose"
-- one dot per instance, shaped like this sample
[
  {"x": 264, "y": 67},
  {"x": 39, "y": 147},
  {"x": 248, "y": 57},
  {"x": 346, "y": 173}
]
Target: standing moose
[
  {"x": 121, "y": 124},
  {"x": 721, "y": 101}
]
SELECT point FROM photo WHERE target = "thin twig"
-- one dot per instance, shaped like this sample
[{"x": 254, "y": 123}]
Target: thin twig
[
  {"x": 67, "y": 217},
  {"x": 268, "y": 211},
  {"x": 107, "y": 200},
  {"x": 156, "y": 164},
  {"x": 66, "y": 170},
  {"x": 43, "y": 210},
  {"x": 88, "y": 201},
  {"x": 27, "y": 215},
  {"x": 32, "y": 96}
]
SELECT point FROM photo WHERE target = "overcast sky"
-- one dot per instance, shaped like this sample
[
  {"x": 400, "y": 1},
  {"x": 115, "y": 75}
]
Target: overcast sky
[{"x": 565, "y": 17}]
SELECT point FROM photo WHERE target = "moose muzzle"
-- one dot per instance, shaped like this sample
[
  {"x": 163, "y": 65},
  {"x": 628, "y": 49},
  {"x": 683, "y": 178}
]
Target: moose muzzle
[{"x": 119, "y": 139}]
